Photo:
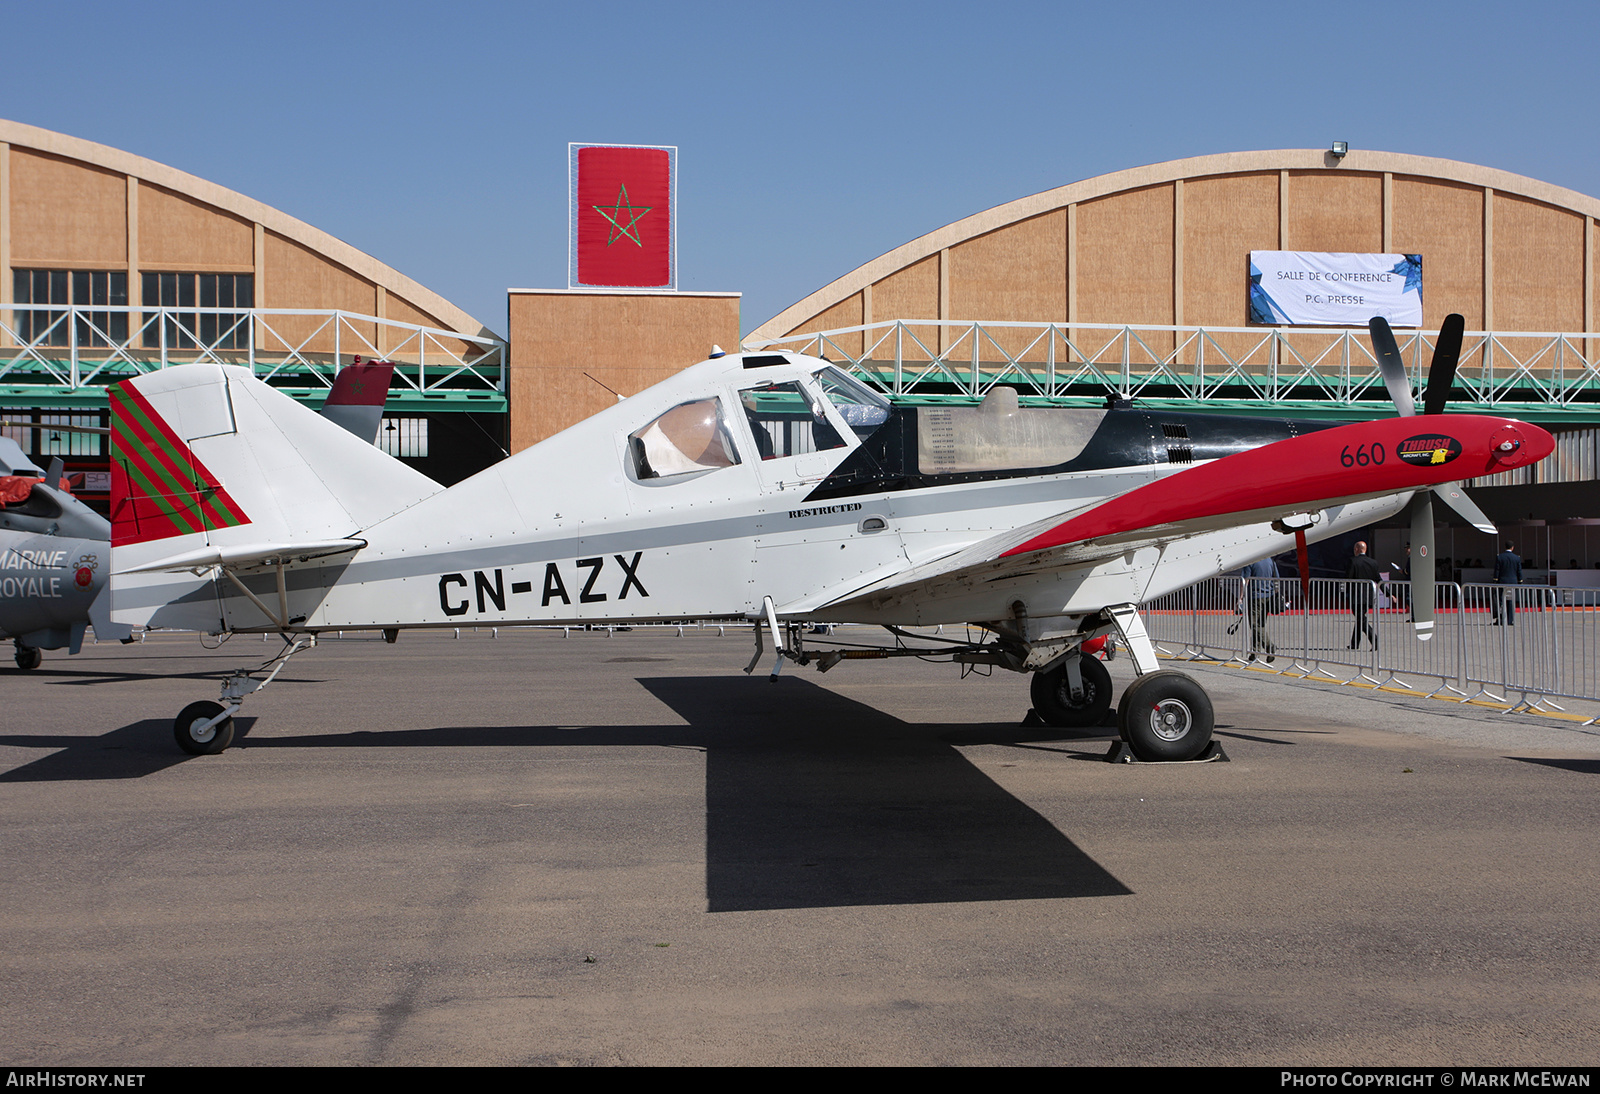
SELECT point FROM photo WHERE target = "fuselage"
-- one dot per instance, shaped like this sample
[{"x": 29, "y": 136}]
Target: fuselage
[
  {"x": 814, "y": 488},
  {"x": 770, "y": 477}
]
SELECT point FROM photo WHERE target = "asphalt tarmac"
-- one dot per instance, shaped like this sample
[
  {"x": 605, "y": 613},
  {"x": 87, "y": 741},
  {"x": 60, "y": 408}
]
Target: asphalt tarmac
[{"x": 533, "y": 849}]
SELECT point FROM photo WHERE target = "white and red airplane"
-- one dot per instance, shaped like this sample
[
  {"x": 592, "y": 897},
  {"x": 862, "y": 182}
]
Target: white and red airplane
[{"x": 770, "y": 488}]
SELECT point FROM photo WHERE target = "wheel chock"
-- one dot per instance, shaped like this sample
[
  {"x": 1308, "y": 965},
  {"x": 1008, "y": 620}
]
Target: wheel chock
[{"x": 1121, "y": 754}]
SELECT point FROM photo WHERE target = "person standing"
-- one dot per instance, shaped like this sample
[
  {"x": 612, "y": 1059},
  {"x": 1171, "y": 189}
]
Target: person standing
[
  {"x": 1507, "y": 571},
  {"x": 1258, "y": 594},
  {"x": 1365, "y": 571}
]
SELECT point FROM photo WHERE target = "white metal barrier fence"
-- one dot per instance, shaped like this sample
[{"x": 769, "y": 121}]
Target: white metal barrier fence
[{"x": 1520, "y": 645}]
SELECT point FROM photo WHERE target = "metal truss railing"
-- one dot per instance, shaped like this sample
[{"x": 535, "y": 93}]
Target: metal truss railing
[
  {"x": 1517, "y": 646},
  {"x": 68, "y": 347},
  {"x": 926, "y": 356}
]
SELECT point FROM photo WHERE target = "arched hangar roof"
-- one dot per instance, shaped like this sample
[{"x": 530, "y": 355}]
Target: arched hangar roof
[
  {"x": 813, "y": 312},
  {"x": 245, "y": 208}
]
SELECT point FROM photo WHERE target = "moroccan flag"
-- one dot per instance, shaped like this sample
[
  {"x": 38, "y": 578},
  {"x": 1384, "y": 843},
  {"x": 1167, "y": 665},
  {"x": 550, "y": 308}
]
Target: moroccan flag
[{"x": 623, "y": 217}]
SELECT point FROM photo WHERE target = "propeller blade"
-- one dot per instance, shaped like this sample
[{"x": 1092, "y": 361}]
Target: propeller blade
[
  {"x": 1422, "y": 590},
  {"x": 1456, "y": 498},
  {"x": 1304, "y": 559},
  {"x": 1394, "y": 369},
  {"x": 53, "y": 477},
  {"x": 1442, "y": 372}
]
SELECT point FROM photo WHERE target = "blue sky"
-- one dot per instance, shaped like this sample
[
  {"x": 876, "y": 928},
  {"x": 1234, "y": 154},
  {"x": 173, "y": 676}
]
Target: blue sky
[{"x": 812, "y": 137}]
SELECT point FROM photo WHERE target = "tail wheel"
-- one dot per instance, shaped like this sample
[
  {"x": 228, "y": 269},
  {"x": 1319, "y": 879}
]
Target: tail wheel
[
  {"x": 1052, "y": 695},
  {"x": 1165, "y": 716},
  {"x": 29, "y": 657},
  {"x": 202, "y": 742}
]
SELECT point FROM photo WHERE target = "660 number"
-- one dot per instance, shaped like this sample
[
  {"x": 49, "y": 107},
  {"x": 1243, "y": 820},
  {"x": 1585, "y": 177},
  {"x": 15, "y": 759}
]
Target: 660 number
[{"x": 1363, "y": 455}]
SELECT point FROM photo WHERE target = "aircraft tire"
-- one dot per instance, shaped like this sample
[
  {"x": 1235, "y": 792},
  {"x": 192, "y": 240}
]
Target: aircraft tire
[
  {"x": 1052, "y": 698},
  {"x": 1165, "y": 716},
  {"x": 29, "y": 657},
  {"x": 213, "y": 740}
]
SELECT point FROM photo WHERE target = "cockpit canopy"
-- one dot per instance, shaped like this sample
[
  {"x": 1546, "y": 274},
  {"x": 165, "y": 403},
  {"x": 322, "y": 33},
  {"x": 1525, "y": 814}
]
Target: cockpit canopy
[{"x": 786, "y": 418}]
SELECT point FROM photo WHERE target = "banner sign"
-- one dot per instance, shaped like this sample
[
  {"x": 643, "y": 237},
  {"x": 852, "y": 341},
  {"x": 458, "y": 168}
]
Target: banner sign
[
  {"x": 1335, "y": 289},
  {"x": 622, "y": 220}
]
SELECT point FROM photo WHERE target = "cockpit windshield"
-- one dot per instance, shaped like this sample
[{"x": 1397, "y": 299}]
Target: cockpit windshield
[
  {"x": 787, "y": 420},
  {"x": 863, "y": 409}
]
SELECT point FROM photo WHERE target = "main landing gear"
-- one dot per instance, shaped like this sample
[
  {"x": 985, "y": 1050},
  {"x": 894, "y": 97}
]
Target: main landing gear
[
  {"x": 205, "y": 728},
  {"x": 1164, "y": 716},
  {"x": 1075, "y": 694}
]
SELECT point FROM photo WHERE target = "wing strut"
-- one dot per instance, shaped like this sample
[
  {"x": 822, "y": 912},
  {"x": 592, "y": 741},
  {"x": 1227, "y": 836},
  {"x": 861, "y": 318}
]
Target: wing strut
[{"x": 281, "y": 618}]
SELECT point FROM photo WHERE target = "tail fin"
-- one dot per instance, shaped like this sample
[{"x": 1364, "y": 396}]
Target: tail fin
[
  {"x": 356, "y": 401},
  {"x": 209, "y": 462}
]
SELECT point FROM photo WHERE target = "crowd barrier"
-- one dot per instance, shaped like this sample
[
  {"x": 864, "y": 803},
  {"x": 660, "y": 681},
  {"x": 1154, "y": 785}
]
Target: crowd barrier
[{"x": 1522, "y": 646}]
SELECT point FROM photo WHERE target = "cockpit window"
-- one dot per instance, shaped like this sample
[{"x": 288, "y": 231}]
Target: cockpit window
[
  {"x": 863, "y": 409},
  {"x": 20, "y": 494},
  {"x": 787, "y": 421},
  {"x": 690, "y": 437}
]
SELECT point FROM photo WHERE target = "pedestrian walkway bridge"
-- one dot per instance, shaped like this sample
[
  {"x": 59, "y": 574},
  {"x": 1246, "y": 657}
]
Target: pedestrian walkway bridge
[
  {"x": 1548, "y": 377},
  {"x": 63, "y": 357}
]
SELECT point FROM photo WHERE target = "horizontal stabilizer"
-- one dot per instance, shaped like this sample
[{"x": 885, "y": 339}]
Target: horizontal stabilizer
[{"x": 248, "y": 554}]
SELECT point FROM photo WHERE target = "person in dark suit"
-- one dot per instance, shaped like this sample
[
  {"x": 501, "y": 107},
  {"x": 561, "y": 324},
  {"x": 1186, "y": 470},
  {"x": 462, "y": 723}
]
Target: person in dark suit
[
  {"x": 1507, "y": 571},
  {"x": 1364, "y": 570}
]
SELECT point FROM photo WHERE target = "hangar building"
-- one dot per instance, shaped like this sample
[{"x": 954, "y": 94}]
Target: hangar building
[{"x": 1130, "y": 284}]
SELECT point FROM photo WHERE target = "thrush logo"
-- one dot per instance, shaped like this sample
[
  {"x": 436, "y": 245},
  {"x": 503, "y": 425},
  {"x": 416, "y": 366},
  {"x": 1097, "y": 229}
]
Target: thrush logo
[{"x": 1429, "y": 449}]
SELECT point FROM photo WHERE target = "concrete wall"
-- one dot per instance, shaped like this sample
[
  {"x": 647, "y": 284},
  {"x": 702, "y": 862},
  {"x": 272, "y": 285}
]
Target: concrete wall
[{"x": 626, "y": 341}]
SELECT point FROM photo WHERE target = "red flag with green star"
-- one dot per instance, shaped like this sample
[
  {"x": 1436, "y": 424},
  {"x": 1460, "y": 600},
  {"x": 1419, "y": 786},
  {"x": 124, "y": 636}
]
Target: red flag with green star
[{"x": 623, "y": 217}]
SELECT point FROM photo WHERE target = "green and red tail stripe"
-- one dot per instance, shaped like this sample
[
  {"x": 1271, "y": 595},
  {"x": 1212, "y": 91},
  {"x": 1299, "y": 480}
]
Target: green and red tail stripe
[{"x": 159, "y": 488}]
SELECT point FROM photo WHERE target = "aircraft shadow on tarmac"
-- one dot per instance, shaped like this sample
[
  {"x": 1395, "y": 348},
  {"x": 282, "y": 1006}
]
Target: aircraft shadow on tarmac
[
  {"x": 1581, "y": 765},
  {"x": 812, "y": 799},
  {"x": 132, "y": 752},
  {"x": 71, "y": 677}
]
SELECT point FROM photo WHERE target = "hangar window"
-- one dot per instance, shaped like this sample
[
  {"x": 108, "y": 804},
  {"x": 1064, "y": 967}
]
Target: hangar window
[
  {"x": 182, "y": 328},
  {"x": 689, "y": 437},
  {"x": 43, "y": 433},
  {"x": 404, "y": 437},
  {"x": 72, "y": 441},
  {"x": 83, "y": 289}
]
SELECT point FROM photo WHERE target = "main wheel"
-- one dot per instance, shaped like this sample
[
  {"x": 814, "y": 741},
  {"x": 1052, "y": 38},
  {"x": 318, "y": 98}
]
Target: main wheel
[
  {"x": 202, "y": 742},
  {"x": 1165, "y": 716},
  {"x": 29, "y": 657},
  {"x": 1052, "y": 695}
]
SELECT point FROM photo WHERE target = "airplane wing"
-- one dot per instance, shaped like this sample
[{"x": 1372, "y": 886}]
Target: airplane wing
[{"x": 1304, "y": 474}]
